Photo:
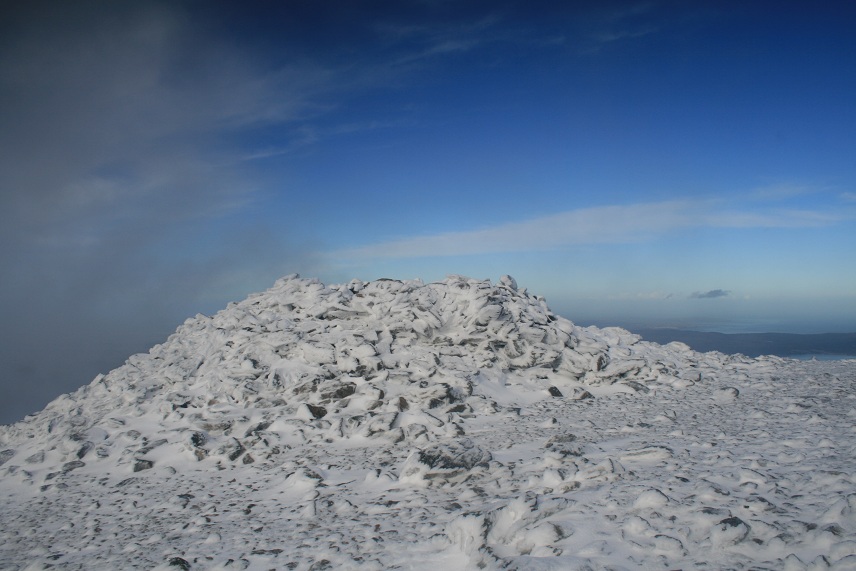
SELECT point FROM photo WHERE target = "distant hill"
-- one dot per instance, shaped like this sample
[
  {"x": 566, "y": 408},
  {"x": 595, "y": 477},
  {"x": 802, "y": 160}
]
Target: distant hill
[{"x": 755, "y": 344}]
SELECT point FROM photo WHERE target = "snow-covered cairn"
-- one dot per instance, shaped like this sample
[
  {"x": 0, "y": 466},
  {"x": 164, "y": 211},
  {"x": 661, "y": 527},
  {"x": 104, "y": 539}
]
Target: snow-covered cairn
[{"x": 399, "y": 360}]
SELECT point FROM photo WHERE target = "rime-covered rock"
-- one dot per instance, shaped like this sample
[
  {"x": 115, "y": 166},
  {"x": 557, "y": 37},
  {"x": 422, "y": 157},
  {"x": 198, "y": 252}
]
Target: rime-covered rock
[
  {"x": 401, "y": 360},
  {"x": 459, "y": 424}
]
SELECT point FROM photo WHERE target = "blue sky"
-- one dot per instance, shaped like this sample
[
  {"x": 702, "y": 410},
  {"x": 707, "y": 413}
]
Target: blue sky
[{"x": 637, "y": 163}]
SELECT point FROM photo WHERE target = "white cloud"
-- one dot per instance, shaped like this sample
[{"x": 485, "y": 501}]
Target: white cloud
[
  {"x": 607, "y": 224},
  {"x": 782, "y": 191},
  {"x": 597, "y": 225},
  {"x": 618, "y": 35},
  {"x": 781, "y": 218}
]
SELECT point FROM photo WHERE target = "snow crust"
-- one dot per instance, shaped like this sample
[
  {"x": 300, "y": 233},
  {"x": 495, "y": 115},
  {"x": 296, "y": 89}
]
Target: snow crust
[{"x": 395, "y": 424}]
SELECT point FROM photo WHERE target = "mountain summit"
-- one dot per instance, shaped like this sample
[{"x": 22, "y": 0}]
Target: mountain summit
[
  {"x": 463, "y": 419},
  {"x": 302, "y": 361}
]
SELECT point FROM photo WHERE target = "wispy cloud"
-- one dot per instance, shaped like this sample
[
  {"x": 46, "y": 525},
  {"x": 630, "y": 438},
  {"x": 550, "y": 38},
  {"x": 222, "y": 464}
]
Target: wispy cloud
[
  {"x": 607, "y": 37},
  {"x": 712, "y": 294},
  {"x": 782, "y": 191},
  {"x": 630, "y": 22},
  {"x": 608, "y": 224},
  {"x": 307, "y": 135},
  {"x": 779, "y": 218},
  {"x": 417, "y": 43},
  {"x": 597, "y": 225}
]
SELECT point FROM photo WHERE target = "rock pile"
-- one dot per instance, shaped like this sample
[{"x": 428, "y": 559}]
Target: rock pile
[{"x": 398, "y": 360}]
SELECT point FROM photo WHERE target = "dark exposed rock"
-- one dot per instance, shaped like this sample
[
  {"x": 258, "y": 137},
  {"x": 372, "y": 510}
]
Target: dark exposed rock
[
  {"x": 5, "y": 455},
  {"x": 732, "y": 521},
  {"x": 560, "y": 439},
  {"x": 232, "y": 449},
  {"x": 185, "y": 499},
  {"x": 835, "y": 529},
  {"x": 402, "y": 404},
  {"x": 317, "y": 411},
  {"x": 380, "y": 423},
  {"x": 141, "y": 464},
  {"x": 179, "y": 563},
  {"x": 198, "y": 439},
  {"x": 554, "y": 392},
  {"x": 638, "y": 387},
  {"x": 264, "y": 425},
  {"x": 309, "y": 387},
  {"x": 69, "y": 466},
  {"x": 582, "y": 394},
  {"x": 564, "y": 444},
  {"x": 266, "y": 551},
  {"x": 339, "y": 392},
  {"x": 221, "y": 426},
  {"x": 84, "y": 450},
  {"x": 447, "y": 460},
  {"x": 151, "y": 446},
  {"x": 730, "y": 531}
]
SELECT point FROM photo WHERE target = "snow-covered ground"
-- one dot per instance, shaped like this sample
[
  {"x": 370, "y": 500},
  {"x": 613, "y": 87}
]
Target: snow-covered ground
[{"x": 401, "y": 425}]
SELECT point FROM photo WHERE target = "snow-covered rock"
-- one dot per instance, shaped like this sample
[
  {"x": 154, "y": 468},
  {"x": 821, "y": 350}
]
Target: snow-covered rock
[{"x": 395, "y": 423}]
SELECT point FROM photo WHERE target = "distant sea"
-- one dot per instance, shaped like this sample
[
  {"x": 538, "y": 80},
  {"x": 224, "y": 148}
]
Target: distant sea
[{"x": 820, "y": 346}]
